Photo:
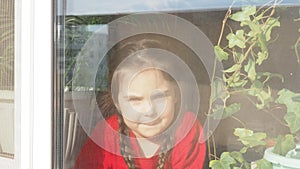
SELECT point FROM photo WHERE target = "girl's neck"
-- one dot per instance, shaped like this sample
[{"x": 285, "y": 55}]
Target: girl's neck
[{"x": 148, "y": 147}]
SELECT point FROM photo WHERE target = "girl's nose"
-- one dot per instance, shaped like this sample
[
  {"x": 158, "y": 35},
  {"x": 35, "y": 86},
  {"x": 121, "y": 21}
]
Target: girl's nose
[
  {"x": 155, "y": 108},
  {"x": 150, "y": 111}
]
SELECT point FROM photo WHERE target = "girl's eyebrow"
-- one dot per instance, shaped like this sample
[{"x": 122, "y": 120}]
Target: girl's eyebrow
[
  {"x": 132, "y": 95},
  {"x": 166, "y": 92}
]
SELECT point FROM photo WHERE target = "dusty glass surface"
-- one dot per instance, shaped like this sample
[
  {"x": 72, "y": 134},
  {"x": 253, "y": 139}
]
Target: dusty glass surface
[
  {"x": 250, "y": 105},
  {"x": 7, "y": 78}
]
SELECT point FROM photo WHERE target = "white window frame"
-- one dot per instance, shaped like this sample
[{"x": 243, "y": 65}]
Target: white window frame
[
  {"x": 9, "y": 163},
  {"x": 33, "y": 86}
]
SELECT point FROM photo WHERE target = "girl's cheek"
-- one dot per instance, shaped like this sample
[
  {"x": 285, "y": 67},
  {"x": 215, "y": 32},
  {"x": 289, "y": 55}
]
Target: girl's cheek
[
  {"x": 131, "y": 110},
  {"x": 139, "y": 106},
  {"x": 160, "y": 105}
]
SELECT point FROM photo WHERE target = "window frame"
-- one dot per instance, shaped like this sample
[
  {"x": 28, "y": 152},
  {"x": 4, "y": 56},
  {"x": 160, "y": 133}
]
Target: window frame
[{"x": 33, "y": 86}]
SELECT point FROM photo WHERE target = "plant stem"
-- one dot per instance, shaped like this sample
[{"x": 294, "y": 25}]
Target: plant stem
[
  {"x": 238, "y": 120},
  {"x": 212, "y": 79},
  {"x": 296, "y": 49},
  {"x": 214, "y": 144},
  {"x": 240, "y": 63},
  {"x": 228, "y": 13}
]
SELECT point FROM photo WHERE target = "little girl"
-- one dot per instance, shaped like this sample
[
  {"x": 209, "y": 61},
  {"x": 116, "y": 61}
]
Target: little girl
[{"x": 144, "y": 105}]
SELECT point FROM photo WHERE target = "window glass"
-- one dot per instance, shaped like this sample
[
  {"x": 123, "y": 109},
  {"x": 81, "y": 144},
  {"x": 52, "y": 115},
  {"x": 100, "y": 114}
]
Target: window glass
[
  {"x": 236, "y": 70},
  {"x": 7, "y": 78}
]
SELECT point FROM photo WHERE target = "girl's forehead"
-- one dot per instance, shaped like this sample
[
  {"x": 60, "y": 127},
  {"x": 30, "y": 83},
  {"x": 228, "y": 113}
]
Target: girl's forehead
[
  {"x": 149, "y": 75},
  {"x": 148, "y": 78}
]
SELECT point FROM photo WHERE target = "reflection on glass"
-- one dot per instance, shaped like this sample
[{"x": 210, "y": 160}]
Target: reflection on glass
[
  {"x": 6, "y": 78},
  {"x": 78, "y": 31},
  {"x": 269, "y": 115}
]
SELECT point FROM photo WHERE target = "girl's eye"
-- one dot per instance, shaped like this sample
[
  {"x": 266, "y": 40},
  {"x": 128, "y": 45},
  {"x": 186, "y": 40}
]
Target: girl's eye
[
  {"x": 134, "y": 99},
  {"x": 158, "y": 96}
]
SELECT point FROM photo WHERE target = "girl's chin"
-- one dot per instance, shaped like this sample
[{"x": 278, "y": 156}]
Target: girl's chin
[{"x": 147, "y": 133}]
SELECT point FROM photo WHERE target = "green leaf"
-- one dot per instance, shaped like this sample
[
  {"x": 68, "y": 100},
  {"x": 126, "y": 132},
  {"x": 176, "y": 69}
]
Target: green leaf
[
  {"x": 234, "y": 81},
  {"x": 264, "y": 164},
  {"x": 262, "y": 43},
  {"x": 244, "y": 15},
  {"x": 215, "y": 164},
  {"x": 233, "y": 68},
  {"x": 220, "y": 53},
  {"x": 284, "y": 144},
  {"x": 242, "y": 132},
  {"x": 289, "y": 99},
  {"x": 249, "y": 138},
  {"x": 261, "y": 56},
  {"x": 268, "y": 27},
  {"x": 227, "y": 159},
  {"x": 269, "y": 75},
  {"x": 293, "y": 120},
  {"x": 254, "y": 28},
  {"x": 237, "y": 39},
  {"x": 296, "y": 98},
  {"x": 236, "y": 167},
  {"x": 256, "y": 139},
  {"x": 258, "y": 85},
  {"x": 218, "y": 111},
  {"x": 221, "y": 112},
  {"x": 244, "y": 150},
  {"x": 237, "y": 156},
  {"x": 219, "y": 90},
  {"x": 238, "y": 57},
  {"x": 239, "y": 83},
  {"x": 263, "y": 97},
  {"x": 225, "y": 162},
  {"x": 231, "y": 109},
  {"x": 250, "y": 69}
]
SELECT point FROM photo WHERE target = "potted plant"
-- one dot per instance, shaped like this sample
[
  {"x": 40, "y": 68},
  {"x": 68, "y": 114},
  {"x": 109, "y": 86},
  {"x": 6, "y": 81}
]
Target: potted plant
[{"x": 243, "y": 51}]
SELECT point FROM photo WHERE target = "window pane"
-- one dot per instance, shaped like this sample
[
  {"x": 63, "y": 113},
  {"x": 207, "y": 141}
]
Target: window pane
[
  {"x": 243, "y": 60},
  {"x": 7, "y": 78}
]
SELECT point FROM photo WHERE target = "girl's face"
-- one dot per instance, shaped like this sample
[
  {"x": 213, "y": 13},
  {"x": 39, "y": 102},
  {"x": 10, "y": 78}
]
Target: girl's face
[{"x": 147, "y": 103}]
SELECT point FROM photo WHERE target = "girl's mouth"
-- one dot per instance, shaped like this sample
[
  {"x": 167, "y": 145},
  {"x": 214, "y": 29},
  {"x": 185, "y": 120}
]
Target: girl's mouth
[{"x": 152, "y": 123}]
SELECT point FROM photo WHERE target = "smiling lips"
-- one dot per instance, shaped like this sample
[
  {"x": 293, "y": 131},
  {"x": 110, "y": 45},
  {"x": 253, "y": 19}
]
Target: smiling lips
[{"x": 154, "y": 122}]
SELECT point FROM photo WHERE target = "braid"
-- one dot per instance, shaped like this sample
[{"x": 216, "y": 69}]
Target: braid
[
  {"x": 161, "y": 160},
  {"x": 166, "y": 150},
  {"x": 124, "y": 148}
]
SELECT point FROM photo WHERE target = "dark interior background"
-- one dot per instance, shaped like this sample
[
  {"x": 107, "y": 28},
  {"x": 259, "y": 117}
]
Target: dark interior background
[{"x": 282, "y": 60}]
